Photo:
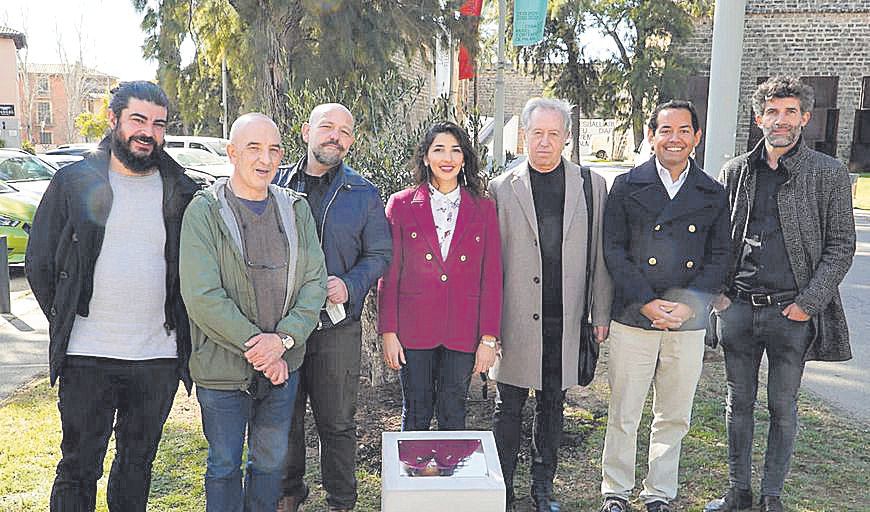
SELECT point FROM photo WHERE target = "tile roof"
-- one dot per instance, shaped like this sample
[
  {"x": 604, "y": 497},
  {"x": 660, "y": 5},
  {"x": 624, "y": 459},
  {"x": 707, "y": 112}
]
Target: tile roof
[
  {"x": 17, "y": 37},
  {"x": 62, "y": 69}
]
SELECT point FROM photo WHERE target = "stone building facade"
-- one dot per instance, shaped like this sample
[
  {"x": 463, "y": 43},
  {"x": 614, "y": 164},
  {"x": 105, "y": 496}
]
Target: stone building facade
[
  {"x": 827, "y": 42},
  {"x": 518, "y": 89}
]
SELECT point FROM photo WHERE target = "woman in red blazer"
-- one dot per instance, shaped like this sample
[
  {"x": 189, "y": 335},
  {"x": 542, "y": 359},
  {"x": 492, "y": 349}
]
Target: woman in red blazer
[{"x": 439, "y": 304}]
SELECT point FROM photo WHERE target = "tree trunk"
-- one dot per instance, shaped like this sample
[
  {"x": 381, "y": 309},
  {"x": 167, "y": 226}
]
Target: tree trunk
[
  {"x": 373, "y": 367},
  {"x": 575, "y": 134},
  {"x": 275, "y": 35}
]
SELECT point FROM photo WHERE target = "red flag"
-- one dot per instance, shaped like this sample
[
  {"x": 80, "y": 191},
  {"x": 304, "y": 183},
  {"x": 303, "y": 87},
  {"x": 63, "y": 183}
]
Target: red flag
[
  {"x": 471, "y": 8},
  {"x": 466, "y": 66}
]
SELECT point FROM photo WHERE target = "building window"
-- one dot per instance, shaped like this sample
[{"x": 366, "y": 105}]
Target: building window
[
  {"x": 43, "y": 113},
  {"x": 42, "y": 85},
  {"x": 45, "y": 137}
]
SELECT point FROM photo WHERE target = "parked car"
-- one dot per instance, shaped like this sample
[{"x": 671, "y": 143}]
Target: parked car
[
  {"x": 79, "y": 149},
  {"x": 23, "y": 179},
  {"x": 16, "y": 216},
  {"x": 25, "y": 172},
  {"x": 214, "y": 145},
  {"x": 203, "y": 167},
  {"x": 58, "y": 161}
]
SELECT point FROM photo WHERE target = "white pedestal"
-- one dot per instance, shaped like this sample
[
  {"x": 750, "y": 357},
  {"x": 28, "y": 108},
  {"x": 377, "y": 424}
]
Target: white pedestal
[{"x": 441, "y": 471}]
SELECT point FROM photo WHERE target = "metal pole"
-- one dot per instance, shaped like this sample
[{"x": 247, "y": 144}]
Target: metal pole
[
  {"x": 724, "y": 91},
  {"x": 451, "y": 69},
  {"x": 225, "y": 116},
  {"x": 5, "y": 301},
  {"x": 498, "y": 134}
]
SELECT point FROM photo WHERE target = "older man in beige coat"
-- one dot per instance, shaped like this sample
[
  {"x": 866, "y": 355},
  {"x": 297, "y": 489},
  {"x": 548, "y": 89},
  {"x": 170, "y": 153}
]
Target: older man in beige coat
[{"x": 543, "y": 219}]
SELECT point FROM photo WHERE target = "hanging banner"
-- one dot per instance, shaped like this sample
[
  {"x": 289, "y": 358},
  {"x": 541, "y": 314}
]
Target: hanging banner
[
  {"x": 471, "y": 8},
  {"x": 529, "y": 18},
  {"x": 466, "y": 65}
]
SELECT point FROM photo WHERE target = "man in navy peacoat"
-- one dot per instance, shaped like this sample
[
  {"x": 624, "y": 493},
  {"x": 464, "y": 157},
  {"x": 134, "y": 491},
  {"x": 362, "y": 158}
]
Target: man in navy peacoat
[{"x": 666, "y": 245}]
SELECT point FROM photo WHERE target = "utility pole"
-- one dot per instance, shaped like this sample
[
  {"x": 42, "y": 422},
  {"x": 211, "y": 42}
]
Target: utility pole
[
  {"x": 498, "y": 133},
  {"x": 225, "y": 115},
  {"x": 724, "y": 90}
]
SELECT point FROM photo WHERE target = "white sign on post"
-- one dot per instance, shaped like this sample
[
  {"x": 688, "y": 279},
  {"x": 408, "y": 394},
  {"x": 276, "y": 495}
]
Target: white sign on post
[{"x": 438, "y": 471}]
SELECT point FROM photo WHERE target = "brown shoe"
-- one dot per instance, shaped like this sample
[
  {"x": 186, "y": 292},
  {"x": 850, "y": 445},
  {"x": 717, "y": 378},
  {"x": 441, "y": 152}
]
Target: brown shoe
[
  {"x": 292, "y": 503},
  {"x": 771, "y": 504}
]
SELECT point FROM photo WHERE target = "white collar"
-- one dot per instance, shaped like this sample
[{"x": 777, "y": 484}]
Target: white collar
[
  {"x": 451, "y": 196},
  {"x": 665, "y": 174}
]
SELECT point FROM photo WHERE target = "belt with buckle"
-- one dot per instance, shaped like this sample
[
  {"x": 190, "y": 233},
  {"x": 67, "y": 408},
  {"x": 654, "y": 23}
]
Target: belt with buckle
[{"x": 769, "y": 299}]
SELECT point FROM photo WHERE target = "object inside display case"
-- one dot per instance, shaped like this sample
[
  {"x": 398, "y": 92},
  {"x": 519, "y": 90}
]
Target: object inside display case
[{"x": 442, "y": 457}]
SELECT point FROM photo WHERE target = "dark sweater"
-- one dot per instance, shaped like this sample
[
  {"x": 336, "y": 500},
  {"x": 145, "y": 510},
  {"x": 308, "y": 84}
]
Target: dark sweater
[{"x": 548, "y": 191}]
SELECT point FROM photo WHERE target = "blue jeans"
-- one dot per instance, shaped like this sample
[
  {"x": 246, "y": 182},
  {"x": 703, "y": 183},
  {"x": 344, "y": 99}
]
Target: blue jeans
[
  {"x": 746, "y": 333},
  {"x": 225, "y": 417},
  {"x": 435, "y": 381}
]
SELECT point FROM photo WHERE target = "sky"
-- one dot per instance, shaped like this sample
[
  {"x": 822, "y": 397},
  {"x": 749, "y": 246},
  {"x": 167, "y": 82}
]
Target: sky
[{"x": 108, "y": 30}]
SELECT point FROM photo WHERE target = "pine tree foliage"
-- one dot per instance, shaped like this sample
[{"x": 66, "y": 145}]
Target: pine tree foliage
[{"x": 275, "y": 46}]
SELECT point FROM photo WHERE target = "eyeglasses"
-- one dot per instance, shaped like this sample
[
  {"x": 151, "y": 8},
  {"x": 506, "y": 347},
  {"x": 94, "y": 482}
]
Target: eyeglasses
[{"x": 265, "y": 266}]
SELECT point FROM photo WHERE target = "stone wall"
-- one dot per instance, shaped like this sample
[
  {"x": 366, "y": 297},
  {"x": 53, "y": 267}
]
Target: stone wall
[
  {"x": 804, "y": 38},
  {"x": 518, "y": 89}
]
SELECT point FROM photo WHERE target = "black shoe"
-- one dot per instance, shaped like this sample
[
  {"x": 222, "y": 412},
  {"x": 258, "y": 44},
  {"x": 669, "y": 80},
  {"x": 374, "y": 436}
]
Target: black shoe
[
  {"x": 614, "y": 504},
  {"x": 658, "y": 506},
  {"x": 736, "y": 500},
  {"x": 771, "y": 504}
]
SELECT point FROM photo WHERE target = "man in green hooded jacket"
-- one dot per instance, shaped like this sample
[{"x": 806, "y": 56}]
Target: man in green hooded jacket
[{"x": 253, "y": 280}]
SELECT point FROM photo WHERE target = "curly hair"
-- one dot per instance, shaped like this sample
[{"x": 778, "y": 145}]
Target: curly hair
[
  {"x": 783, "y": 86},
  {"x": 469, "y": 176}
]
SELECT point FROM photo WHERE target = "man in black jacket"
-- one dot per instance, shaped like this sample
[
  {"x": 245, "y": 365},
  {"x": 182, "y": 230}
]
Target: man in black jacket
[
  {"x": 102, "y": 261},
  {"x": 666, "y": 246}
]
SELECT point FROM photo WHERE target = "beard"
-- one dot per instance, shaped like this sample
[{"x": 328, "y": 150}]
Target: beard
[
  {"x": 140, "y": 164},
  {"x": 329, "y": 159},
  {"x": 781, "y": 140}
]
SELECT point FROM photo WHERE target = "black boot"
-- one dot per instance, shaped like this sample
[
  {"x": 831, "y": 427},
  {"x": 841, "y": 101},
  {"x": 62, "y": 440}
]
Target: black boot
[
  {"x": 735, "y": 500},
  {"x": 542, "y": 498}
]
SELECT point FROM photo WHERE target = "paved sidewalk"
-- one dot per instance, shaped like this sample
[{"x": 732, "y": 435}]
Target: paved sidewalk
[
  {"x": 24, "y": 342},
  {"x": 847, "y": 384}
]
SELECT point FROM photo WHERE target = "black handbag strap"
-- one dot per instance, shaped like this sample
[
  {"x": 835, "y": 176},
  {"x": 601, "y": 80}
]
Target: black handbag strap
[{"x": 586, "y": 174}]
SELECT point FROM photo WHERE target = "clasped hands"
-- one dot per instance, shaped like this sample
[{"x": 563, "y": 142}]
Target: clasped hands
[
  {"x": 394, "y": 355},
  {"x": 264, "y": 352},
  {"x": 666, "y": 315}
]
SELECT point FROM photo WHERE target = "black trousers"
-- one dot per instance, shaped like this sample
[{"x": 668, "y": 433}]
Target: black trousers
[
  {"x": 92, "y": 391},
  {"x": 435, "y": 382},
  {"x": 329, "y": 377},
  {"x": 548, "y": 419}
]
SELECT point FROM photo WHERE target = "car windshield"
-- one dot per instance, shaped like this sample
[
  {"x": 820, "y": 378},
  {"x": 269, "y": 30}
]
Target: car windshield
[
  {"x": 195, "y": 157},
  {"x": 24, "y": 168},
  {"x": 219, "y": 146}
]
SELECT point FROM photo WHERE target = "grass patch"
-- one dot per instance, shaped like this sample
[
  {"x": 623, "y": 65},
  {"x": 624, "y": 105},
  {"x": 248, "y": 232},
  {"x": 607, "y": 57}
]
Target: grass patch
[
  {"x": 829, "y": 471},
  {"x": 862, "y": 193}
]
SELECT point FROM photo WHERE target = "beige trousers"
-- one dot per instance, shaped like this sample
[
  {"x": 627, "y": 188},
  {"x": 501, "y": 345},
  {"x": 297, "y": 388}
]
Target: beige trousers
[{"x": 671, "y": 361}]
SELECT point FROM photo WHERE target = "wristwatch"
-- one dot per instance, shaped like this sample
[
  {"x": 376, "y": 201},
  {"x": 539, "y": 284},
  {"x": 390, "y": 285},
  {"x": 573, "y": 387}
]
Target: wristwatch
[
  {"x": 488, "y": 343},
  {"x": 287, "y": 341}
]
